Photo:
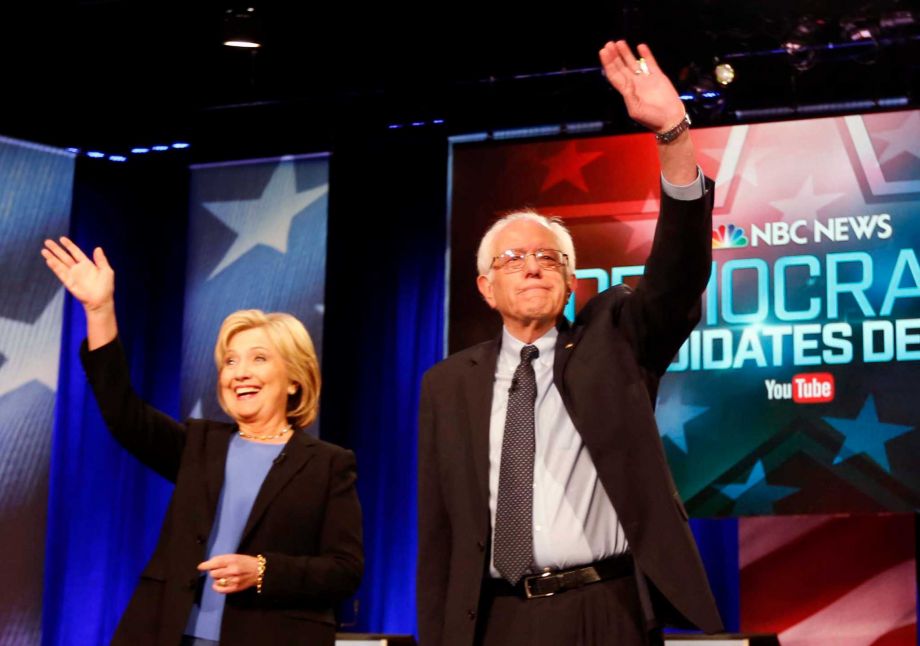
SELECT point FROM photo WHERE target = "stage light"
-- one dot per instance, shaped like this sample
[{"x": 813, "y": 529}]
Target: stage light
[
  {"x": 95, "y": 154},
  {"x": 241, "y": 28},
  {"x": 75, "y": 151},
  {"x": 159, "y": 148},
  {"x": 179, "y": 145},
  {"x": 118, "y": 158},
  {"x": 801, "y": 43},
  {"x": 724, "y": 73},
  {"x": 140, "y": 150}
]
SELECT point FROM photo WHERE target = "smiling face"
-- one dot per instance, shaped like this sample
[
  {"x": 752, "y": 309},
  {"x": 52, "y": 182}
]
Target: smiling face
[
  {"x": 532, "y": 297},
  {"x": 254, "y": 383}
]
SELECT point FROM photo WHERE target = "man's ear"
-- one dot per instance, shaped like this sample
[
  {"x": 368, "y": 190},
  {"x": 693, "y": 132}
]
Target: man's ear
[
  {"x": 570, "y": 283},
  {"x": 485, "y": 288}
]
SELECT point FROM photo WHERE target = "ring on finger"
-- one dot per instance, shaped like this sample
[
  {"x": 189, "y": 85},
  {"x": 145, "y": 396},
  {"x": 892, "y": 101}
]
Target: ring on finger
[
  {"x": 222, "y": 581},
  {"x": 642, "y": 67}
]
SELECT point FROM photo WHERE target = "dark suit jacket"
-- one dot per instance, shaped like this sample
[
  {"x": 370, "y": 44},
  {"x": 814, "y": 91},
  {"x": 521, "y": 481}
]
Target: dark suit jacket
[
  {"x": 607, "y": 367},
  {"x": 306, "y": 521}
]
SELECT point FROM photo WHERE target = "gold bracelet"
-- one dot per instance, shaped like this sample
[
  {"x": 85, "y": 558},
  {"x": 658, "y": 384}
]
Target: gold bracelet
[{"x": 260, "y": 573}]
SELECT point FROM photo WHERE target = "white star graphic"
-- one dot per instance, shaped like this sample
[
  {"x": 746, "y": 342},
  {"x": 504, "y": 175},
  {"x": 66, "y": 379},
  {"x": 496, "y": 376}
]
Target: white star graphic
[
  {"x": 266, "y": 220},
  {"x": 32, "y": 350},
  {"x": 197, "y": 410},
  {"x": 805, "y": 204},
  {"x": 641, "y": 233},
  {"x": 904, "y": 139},
  {"x": 750, "y": 162}
]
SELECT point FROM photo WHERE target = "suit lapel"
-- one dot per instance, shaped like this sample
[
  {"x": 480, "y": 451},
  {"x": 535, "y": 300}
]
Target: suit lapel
[
  {"x": 480, "y": 381},
  {"x": 295, "y": 454},
  {"x": 565, "y": 346}
]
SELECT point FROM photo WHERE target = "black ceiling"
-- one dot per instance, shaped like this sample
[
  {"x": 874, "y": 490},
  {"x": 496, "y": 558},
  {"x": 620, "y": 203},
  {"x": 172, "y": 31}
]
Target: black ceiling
[{"x": 118, "y": 72}]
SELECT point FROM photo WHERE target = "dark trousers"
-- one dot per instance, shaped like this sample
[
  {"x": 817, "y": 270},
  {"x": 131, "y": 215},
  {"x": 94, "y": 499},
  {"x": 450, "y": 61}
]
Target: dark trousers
[{"x": 599, "y": 614}]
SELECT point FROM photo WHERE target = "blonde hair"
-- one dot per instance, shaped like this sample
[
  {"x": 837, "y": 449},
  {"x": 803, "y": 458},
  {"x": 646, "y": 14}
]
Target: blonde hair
[
  {"x": 487, "y": 252},
  {"x": 293, "y": 343}
]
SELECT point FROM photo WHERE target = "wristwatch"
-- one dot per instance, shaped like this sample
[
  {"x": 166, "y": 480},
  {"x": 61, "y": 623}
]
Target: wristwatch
[{"x": 668, "y": 136}]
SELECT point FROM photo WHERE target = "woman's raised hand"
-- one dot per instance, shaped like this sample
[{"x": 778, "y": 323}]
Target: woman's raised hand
[{"x": 90, "y": 280}]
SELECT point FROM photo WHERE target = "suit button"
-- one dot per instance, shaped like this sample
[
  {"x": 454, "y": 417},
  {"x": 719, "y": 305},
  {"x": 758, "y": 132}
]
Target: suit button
[
  {"x": 471, "y": 614},
  {"x": 481, "y": 545}
]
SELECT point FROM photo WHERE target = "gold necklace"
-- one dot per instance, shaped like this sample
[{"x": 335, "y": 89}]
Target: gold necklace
[{"x": 249, "y": 436}]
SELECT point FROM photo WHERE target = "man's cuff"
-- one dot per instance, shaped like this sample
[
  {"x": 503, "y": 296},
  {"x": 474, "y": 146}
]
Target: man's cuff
[{"x": 687, "y": 192}]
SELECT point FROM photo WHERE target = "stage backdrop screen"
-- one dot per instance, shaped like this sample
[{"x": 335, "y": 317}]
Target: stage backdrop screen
[
  {"x": 257, "y": 239},
  {"x": 797, "y": 392}
]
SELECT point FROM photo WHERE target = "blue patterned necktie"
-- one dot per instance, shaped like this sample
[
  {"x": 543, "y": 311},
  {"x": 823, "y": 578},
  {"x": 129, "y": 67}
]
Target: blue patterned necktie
[{"x": 514, "y": 511}]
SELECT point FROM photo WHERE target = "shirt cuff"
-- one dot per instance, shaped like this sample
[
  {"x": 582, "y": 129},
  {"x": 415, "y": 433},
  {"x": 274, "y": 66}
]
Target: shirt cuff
[{"x": 687, "y": 192}]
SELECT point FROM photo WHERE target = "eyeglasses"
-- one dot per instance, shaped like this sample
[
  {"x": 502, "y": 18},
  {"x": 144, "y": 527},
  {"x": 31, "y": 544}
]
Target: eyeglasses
[{"x": 512, "y": 260}]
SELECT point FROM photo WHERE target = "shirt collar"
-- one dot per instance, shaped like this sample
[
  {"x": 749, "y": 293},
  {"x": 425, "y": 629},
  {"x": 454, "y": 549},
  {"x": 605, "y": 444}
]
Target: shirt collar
[{"x": 546, "y": 344}]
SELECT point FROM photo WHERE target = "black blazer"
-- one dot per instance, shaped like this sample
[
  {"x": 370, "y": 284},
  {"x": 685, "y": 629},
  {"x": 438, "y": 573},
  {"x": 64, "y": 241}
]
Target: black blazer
[
  {"x": 607, "y": 367},
  {"x": 306, "y": 521}
]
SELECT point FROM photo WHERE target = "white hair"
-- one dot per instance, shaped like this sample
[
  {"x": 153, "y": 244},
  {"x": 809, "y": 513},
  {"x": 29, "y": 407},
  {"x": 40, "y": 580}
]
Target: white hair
[{"x": 487, "y": 250}]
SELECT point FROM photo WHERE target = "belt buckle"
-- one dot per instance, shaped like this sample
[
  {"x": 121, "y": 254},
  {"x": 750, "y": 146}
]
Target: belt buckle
[{"x": 534, "y": 577}]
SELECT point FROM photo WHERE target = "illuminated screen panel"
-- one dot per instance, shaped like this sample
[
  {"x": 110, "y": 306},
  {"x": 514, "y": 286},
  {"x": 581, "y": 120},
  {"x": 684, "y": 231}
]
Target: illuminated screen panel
[
  {"x": 798, "y": 390},
  {"x": 257, "y": 239}
]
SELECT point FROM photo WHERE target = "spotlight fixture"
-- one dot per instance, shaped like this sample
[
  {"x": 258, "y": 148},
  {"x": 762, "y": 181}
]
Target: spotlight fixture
[
  {"x": 724, "y": 73},
  {"x": 241, "y": 28}
]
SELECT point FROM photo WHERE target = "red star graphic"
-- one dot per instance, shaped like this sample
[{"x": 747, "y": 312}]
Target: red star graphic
[{"x": 566, "y": 165}]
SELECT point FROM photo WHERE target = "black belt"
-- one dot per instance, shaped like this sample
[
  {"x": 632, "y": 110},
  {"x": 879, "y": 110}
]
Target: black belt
[{"x": 546, "y": 584}]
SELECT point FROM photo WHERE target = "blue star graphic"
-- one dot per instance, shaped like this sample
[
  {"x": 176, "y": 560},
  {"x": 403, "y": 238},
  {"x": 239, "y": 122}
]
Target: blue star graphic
[
  {"x": 866, "y": 434},
  {"x": 672, "y": 415},
  {"x": 756, "y": 495}
]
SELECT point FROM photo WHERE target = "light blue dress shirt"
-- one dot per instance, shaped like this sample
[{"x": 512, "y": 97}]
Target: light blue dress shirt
[
  {"x": 574, "y": 522},
  {"x": 247, "y": 465}
]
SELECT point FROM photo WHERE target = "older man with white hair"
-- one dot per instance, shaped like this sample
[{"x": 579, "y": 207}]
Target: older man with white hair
[{"x": 547, "y": 513}]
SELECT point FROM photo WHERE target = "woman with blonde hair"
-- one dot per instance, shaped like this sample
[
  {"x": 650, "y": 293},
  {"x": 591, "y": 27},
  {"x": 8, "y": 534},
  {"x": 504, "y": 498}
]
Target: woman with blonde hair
[{"x": 263, "y": 533}]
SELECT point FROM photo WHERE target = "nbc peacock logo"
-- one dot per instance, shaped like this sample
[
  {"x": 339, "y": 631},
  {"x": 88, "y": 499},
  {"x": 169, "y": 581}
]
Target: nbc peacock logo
[{"x": 726, "y": 236}]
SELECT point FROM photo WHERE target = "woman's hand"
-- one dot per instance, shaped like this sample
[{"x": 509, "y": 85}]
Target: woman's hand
[
  {"x": 231, "y": 572},
  {"x": 91, "y": 281}
]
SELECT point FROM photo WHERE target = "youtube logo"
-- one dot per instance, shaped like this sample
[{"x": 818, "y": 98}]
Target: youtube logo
[
  {"x": 805, "y": 388},
  {"x": 813, "y": 388}
]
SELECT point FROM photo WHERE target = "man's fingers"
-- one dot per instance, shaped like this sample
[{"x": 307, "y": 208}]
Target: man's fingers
[
  {"x": 626, "y": 55},
  {"x": 650, "y": 61},
  {"x": 74, "y": 250},
  {"x": 608, "y": 54}
]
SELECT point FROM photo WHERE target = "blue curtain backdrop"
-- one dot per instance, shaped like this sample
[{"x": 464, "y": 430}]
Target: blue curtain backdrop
[
  {"x": 104, "y": 508},
  {"x": 384, "y": 323}
]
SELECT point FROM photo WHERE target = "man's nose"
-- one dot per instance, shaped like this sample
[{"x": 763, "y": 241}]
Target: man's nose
[{"x": 531, "y": 266}]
